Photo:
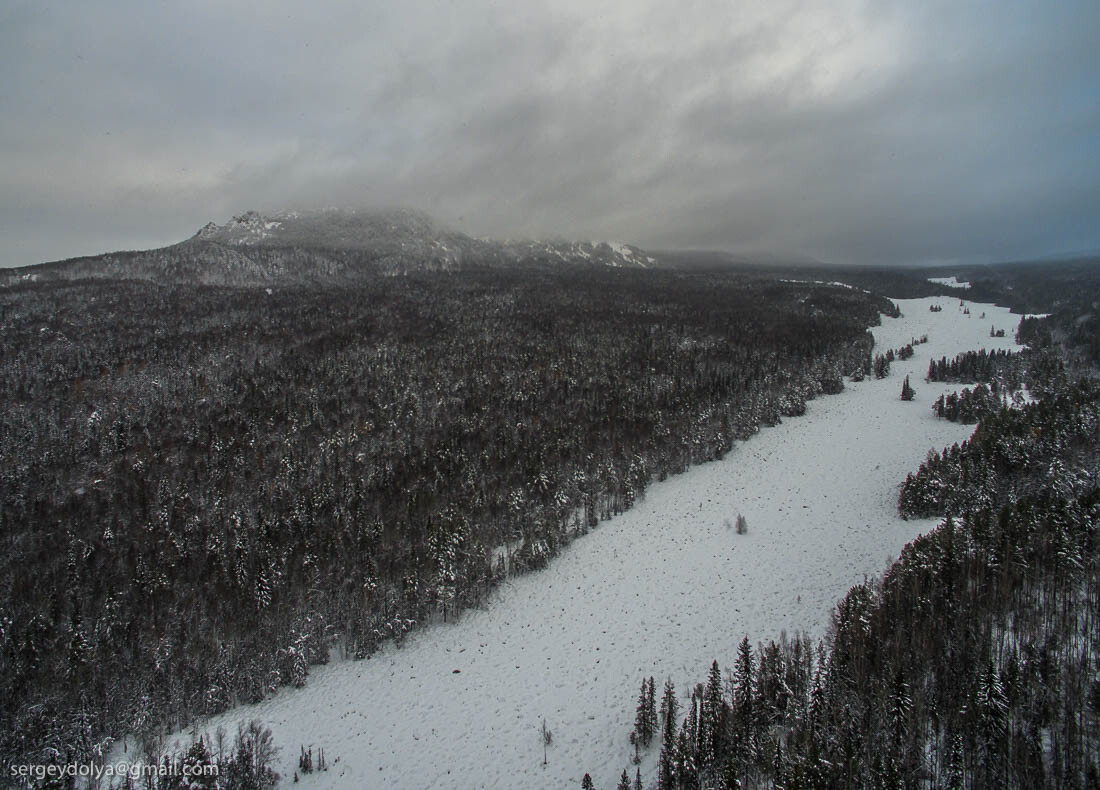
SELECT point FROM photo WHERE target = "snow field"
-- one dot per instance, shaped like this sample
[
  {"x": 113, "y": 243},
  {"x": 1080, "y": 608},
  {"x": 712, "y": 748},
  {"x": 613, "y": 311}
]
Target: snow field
[
  {"x": 660, "y": 590},
  {"x": 950, "y": 282}
]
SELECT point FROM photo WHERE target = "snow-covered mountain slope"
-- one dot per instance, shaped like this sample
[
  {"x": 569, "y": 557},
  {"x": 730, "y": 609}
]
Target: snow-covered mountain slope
[
  {"x": 604, "y": 253},
  {"x": 329, "y": 246},
  {"x": 329, "y": 228},
  {"x": 409, "y": 231},
  {"x": 660, "y": 590}
]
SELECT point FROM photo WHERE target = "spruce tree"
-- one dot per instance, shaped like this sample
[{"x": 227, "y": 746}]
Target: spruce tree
[
  {"x": 651, "y": 720},
  {"x": 691, "y": 722},
  {"x": 666, "y": 765},
  {"x": 743, "y": 695},
  {"x": 712, "y": 719},
  {"x": 901, "y": 703},
  {"x": 670, "y": 709},
  {"x": 199, "y": 767},
  {"x": 955, "y": 777},
  {"x": 645, "y": 716},
  {"x": 992, "y": 723},
  {"x": 685, "y": 765}
]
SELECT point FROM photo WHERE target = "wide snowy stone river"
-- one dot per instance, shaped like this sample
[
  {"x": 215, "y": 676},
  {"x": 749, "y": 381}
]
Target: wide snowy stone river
[{"x": 661, "y": 590}]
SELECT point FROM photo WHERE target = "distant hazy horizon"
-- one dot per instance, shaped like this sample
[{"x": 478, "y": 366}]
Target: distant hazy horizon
[{"x": 746, "y": 256}]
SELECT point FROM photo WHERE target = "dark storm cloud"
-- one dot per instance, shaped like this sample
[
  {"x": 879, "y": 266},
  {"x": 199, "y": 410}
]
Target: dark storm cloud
[{"x": 870, "y": 133}]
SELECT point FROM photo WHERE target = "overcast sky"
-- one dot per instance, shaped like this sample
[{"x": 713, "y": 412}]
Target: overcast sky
[{"x": 877, "y": 132}]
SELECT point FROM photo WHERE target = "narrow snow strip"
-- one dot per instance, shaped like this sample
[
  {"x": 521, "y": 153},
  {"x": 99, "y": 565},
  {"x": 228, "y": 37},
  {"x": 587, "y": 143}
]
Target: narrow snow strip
[
  {"x": 660, "y": 590},
  {"x": 950, "y": 282},
  {"x": 835, "y": 283}
]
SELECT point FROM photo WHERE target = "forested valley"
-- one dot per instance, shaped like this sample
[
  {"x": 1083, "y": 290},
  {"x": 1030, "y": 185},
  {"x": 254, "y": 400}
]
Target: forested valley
[
  {"x": 973, "y": 663},
  {"x": 1067, "y": 290},
  {"x": 204, "y": 491}
]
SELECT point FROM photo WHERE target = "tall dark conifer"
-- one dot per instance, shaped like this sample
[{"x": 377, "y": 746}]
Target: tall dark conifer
[
  {"x": 744, "y": 693},
  {"x": 712, "y": 720},
  {"x": 670, "y": 710},
  {"x": 645, "y": 714}
]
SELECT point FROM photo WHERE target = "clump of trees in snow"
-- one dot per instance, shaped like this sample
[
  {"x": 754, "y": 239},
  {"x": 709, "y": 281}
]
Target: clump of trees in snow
[
  {"x": 970, "y": 405},
  {"x": 975, "y": 366},
  {"x": 881, "y": 364}
]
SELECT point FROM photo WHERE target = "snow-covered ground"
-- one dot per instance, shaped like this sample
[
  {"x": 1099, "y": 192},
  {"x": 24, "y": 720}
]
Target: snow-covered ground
[
  {"x": 950, "y": 282},
  {"x": 835, "y": 283},
  {"x": 660, "y": 590}
]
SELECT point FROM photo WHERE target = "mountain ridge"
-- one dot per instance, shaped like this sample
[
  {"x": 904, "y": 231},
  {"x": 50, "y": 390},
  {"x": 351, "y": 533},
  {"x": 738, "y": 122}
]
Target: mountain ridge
[{"x": 326, "y": 246}]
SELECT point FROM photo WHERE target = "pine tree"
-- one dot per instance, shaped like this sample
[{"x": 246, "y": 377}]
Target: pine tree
[
  {"x": 907, "y": 392},
  {"x": 624, "y": 781},
  {"x": 586, "y": 783}
]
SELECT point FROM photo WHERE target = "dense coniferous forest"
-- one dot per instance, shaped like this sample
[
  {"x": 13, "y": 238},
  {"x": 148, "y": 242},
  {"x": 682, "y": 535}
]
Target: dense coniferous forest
[
  {"x": 999, "y": 376},
  {"x": 206, "y": 490},
  {"x": 974, "y": 662},
  {"x": 976, "y": 366}
]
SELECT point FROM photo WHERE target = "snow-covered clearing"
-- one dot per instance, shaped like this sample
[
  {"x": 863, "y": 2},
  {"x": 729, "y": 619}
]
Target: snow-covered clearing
[
  {"x": 834, "y": 283},
  {"x": 950, "y": 282},
  {"x": 660, "y": 590}
]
